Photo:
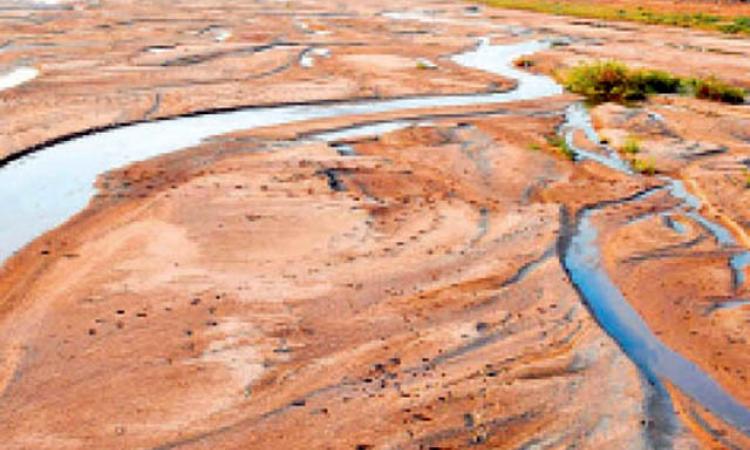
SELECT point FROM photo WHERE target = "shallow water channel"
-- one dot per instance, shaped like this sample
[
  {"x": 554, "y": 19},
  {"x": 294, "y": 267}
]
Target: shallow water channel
[{"x": 58, "y": 181}]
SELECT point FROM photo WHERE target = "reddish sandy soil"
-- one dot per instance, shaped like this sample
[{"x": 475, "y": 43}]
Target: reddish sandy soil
[{"x": 263, "y": 291}]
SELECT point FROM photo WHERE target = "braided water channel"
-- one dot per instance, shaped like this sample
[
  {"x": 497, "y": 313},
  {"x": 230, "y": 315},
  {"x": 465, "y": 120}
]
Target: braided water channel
[
  {"x": 580, "y": 254},
  {"x": 43, "y": 189}
]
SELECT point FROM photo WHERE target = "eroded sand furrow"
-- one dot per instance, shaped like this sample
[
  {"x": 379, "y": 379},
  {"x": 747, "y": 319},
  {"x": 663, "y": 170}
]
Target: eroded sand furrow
[{"x": 421, "y": 313}]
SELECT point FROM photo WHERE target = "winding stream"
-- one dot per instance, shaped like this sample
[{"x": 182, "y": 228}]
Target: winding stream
[
  {"x": 58, "y": 181},
  {"x": 582, "y": 260}
]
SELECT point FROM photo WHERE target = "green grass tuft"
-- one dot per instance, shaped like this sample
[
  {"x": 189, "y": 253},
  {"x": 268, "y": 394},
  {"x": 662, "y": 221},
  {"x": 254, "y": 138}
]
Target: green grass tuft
[
  {"x": 559, "y": 143},
  {"x": 631, "y": 146},
  {"x": 644, "y": 166},
  {"x": 714, "y": 89},
  {"x": 603, "y": 81}
]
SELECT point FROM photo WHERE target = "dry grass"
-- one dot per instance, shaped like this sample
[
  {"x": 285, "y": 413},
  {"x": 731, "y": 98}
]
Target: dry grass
[{"x": 603, "y": 11}]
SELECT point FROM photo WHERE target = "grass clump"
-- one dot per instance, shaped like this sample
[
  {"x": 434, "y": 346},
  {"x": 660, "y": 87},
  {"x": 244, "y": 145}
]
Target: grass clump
[
  {"x": 603, "y": 81},
  {"x": 644, "y": 166},
  {"x": 631, "y": 146},
  {"x": 714, "y": 89},
  {"x": 740, "y": 25},
  {"x": 559, "y": 143}
]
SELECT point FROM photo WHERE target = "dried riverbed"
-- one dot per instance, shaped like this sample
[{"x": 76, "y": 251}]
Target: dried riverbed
[{"x": 422, "y": 271}]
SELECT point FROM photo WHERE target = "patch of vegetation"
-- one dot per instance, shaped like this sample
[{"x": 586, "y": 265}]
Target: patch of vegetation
[
  {"x": 714, "y": 89},
  {"x": 631, "y": 146},
  {"x": 534, "y": 146},
  {"x": 740, "y": 25},
  {"x": 644, "y": 166},
  {"x": 595, "y": 10},
  {"x": 747, "y": 179},
  {"x": 559, "y": 143},
  {"x": 603, "y": 81}
]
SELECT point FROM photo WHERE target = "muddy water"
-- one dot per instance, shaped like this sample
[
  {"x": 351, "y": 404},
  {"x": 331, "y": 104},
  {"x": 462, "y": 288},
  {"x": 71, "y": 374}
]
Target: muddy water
[{"x": 58, "y": 181}]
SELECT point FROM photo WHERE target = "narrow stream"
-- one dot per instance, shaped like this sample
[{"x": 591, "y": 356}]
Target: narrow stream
[
  {"x": 582, "y": 260},
  {"x": 58, "y": 181}
]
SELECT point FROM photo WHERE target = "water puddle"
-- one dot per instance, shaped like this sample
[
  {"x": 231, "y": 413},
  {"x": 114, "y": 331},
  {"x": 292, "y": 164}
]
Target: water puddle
[
  {"x": 739, "y": 264},
  {"x": 307, "y": 58},
  {"x": 345, "y": 149},
  {"x": 17, "y": 77},
  {"x": 44, "y": 4},
  {"x": 159, "y": 48}
]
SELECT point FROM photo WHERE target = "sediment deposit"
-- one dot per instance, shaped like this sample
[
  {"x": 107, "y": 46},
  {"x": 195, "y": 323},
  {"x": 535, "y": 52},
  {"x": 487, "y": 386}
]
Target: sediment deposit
[{"x": 407, "y": 287}]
